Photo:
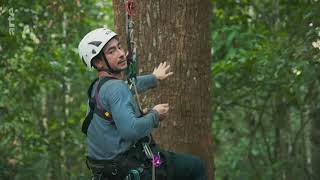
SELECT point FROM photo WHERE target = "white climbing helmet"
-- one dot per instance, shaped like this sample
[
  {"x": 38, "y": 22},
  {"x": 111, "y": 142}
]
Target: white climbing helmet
[{"x": 92, "y": 44}]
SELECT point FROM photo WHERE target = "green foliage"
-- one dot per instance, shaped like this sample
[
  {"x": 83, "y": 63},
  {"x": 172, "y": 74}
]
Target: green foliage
[
  {"x": 265, "y": 83},
  {"x": 43, "y": 86}
]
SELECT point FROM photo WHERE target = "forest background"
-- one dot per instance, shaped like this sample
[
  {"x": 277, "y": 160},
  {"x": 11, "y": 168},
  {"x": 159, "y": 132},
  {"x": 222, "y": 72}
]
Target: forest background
[{"x": 265, "y": 71}]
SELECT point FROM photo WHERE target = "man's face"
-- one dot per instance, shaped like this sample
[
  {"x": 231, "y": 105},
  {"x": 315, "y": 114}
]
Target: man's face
[{"x": 115, "y": 55}]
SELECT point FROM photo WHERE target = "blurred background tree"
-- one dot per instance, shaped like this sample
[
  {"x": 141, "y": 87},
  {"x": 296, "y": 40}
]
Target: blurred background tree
[
  {"x": 43, "y": 86},
  {"x": 266, "y": 89}
]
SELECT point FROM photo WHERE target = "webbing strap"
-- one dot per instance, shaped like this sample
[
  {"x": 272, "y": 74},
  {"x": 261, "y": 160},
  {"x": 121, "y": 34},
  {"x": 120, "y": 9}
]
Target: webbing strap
[
  {"x": 95, "y": 105},
  {"x": 99, "y": 110},
  {"x": 89, "y": 116},
  {"x": 147, "y": 150}
]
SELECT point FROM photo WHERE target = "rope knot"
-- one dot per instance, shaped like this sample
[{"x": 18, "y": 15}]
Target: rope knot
[{"x": 129, "y": 7}]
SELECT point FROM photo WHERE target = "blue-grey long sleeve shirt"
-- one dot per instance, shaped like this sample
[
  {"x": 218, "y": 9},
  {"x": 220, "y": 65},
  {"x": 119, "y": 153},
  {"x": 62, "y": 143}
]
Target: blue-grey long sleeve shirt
[{"x": 106, "y": 140}]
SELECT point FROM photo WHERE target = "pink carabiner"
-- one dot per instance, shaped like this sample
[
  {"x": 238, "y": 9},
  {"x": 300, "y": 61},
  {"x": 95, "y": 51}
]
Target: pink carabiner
[{"x": 156, "y": 160}]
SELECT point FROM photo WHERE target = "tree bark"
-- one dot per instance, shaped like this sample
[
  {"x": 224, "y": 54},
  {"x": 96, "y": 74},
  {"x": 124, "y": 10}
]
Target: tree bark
[{"x": 177, "y": 32}]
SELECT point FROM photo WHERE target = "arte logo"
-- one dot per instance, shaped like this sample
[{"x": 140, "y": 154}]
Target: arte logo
[
  {"x": 11, "y": 22},
  {"x": 11, "y": 19}
]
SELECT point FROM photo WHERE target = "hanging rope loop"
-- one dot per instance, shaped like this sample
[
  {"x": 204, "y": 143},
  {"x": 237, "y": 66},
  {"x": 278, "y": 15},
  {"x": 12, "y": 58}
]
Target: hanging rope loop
[
  {"x": 131, "y": 57},
  {"x": 129, "y": 7}
]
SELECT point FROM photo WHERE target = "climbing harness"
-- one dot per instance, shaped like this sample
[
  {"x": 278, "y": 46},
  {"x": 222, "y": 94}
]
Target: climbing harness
[{"x": 131, "y": 164}]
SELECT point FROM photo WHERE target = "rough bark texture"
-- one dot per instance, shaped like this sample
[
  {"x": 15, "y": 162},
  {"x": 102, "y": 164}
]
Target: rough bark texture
[{"x": 177, "y": 32}]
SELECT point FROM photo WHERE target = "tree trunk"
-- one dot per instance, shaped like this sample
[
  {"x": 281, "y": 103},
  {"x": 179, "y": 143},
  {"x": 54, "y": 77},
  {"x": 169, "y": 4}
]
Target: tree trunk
[
  {"x": 177, "y": 32},
  {"x": 283, "y": 144},
  {"x": 315, "y": 144}
]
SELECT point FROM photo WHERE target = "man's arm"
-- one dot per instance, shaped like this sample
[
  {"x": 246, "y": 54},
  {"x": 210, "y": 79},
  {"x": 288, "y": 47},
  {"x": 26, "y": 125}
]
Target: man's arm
[
  {"x": 150, "y": 81},
  {"x": 124, "y": 113},
  {"x": 145, "y": 83}
]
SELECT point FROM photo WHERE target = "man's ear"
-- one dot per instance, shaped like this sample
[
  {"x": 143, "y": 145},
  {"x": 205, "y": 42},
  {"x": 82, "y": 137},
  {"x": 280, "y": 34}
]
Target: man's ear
[{"x": 97, "y": 63}]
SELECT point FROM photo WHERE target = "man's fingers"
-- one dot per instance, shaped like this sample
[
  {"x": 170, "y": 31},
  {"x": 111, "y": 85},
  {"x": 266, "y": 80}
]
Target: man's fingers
[
  {"x": 166, "y": 110},
  {"x": 167, "y": 67},
  {"x": 160, "y": 65},
  {"x": 169, "y": 74}
]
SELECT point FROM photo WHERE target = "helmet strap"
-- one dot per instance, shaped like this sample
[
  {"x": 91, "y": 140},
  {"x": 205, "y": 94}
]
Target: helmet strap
[{"x": 109, "y": 69}]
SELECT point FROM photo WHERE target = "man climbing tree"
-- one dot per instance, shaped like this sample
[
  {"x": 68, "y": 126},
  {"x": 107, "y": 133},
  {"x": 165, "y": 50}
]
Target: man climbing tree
[{"x": 118, "y": 131}]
